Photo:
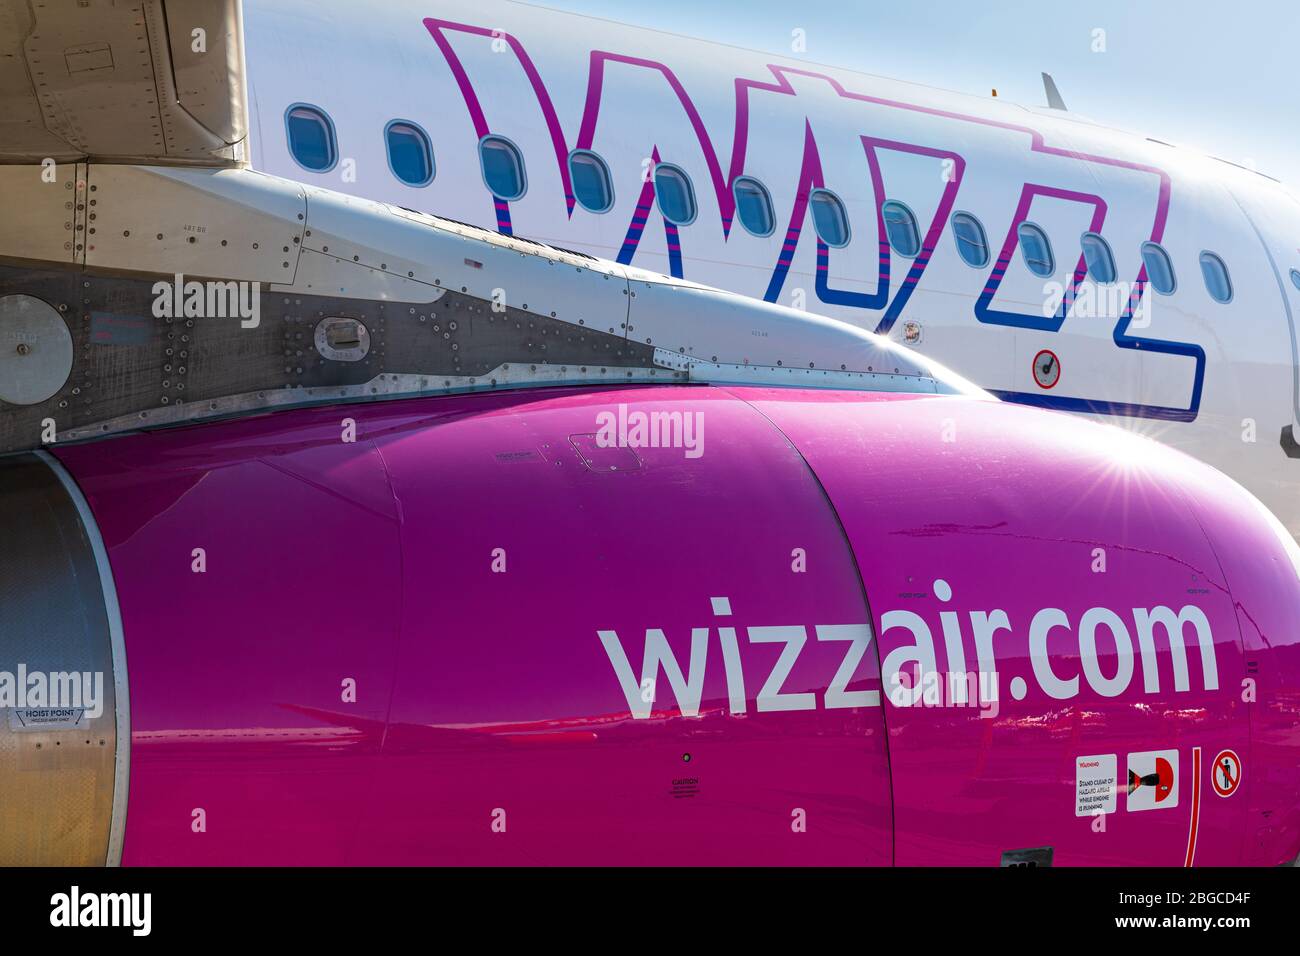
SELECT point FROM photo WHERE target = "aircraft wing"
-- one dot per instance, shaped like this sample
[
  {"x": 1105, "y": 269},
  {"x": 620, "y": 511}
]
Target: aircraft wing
[{"x": 154, "y": 81}]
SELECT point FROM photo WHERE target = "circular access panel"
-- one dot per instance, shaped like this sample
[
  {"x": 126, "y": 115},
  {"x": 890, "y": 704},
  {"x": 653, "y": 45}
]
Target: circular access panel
[{"x": 35, "y": 350}]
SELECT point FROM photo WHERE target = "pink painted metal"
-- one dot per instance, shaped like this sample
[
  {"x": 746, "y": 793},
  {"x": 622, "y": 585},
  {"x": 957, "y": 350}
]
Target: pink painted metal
[
  {"x": 459, "y": 559},
  {"x": 1021, "y": 513}
]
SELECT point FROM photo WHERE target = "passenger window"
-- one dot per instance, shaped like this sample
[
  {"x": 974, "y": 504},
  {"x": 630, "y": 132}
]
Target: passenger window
[
  {"x": 901, "y": 228},
  {"x": 1098, "y": 257},
  {"x": 972, "y": 245},
  {"x": 503, "y": 168},
  {"x": 592, "y": 186},
  {"x": 1160, "y": 268},
  {"x": 754, "y": 206},
  {"x": 410, "y": 155},
  {"x": 674, "y": 194},
  {"x": 1036, "y": 250},
  {"x": 1295, "y": 278},
  {"x": 829, "y": 218},
  {"x": 1217, "y": 282},
  {"x": 311, "y": 138}
]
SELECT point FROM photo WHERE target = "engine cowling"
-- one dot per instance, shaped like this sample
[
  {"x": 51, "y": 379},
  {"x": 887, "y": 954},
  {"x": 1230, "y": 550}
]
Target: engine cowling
[{"x": 517, "y": 628}]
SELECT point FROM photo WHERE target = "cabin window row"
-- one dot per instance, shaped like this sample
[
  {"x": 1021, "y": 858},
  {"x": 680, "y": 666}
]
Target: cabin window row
[
  {"x": 1036, "y": 252},
  {"x": 314, "y": 146}
]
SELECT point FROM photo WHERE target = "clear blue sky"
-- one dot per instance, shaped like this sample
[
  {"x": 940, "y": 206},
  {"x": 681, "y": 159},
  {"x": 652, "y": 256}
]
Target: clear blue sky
[{"x": 1222, "y": 78}]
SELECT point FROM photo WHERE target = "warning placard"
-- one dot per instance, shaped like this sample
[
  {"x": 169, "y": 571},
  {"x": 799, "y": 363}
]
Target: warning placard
[
  {"x": 1152, "y": 780},
  {"x": 1226, "y": 773},
  {"x": 38, "y": 719},
  {"x": 1095, "y": 785}
]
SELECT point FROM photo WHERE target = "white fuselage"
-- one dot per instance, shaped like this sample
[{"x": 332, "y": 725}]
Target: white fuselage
[{"x": 1217, "y": 380}]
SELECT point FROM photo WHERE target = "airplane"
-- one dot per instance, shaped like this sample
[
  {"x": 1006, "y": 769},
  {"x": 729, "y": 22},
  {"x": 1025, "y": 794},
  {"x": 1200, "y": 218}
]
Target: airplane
[
  {"x": 1046, "y": 257},
  {"x": 336, "y": 532}
]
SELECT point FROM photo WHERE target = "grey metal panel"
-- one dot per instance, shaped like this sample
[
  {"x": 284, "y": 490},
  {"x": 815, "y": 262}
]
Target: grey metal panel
[
  {"x": 58, "y": 768},
  {"x": 35, "y": 350},
  {"x": 123, "y": 80},
  {"x": 132, "y": 370}
]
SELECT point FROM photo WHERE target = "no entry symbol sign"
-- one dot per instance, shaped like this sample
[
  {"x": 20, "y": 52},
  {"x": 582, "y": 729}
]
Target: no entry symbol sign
[{"x": 1225, "y": 774}]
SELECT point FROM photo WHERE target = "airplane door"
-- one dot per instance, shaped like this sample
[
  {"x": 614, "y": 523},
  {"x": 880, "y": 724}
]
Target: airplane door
[{"x": 1275, "y": 219}]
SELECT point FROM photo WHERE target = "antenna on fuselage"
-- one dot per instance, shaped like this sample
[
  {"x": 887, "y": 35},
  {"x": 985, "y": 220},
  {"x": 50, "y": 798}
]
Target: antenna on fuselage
[{"x": 1054, "y": 100}]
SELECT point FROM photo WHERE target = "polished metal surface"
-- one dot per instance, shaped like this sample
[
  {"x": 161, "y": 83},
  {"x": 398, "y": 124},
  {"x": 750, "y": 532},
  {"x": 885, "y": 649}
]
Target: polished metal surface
[
  {"x": 121, "y": 697},
  {"x": 58, "y": 756}
]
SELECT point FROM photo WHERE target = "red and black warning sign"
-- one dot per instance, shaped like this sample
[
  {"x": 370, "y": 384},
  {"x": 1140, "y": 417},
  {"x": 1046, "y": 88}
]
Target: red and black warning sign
[
  {"x": 1047, "y": 369},
  {"x": 1225, "y": 773},
  {"x": 1153, "y": 780}
]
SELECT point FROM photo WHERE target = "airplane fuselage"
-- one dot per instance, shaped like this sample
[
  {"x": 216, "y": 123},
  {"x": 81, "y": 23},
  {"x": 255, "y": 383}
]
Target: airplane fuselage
[
  {"x": 1216, "y": 379},
  {"x": 350, "y": 534}
]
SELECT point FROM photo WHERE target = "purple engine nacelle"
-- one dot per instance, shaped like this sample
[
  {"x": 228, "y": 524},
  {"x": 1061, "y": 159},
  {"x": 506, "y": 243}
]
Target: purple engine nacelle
[{"x": 648, "y": 625}]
